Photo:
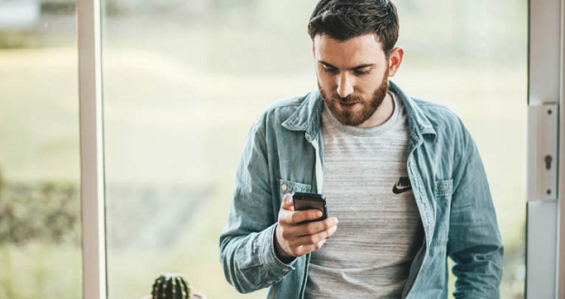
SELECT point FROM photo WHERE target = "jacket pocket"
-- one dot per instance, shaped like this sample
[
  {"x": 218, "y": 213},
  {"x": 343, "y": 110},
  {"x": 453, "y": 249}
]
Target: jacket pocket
[
  {"x": 443, "y": 189},
  {"x": 286, "y": 186}
]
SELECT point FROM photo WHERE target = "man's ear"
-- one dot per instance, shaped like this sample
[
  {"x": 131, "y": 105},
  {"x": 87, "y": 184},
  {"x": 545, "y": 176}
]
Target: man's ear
[{"x": 394, "y": 60}]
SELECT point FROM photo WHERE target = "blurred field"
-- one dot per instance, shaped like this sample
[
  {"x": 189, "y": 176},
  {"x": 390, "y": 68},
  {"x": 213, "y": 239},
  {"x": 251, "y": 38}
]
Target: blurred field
[{"x": 39, "y": 271}]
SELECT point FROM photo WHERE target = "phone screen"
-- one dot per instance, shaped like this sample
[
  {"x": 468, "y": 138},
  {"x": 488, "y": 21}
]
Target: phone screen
[{"x": 306, "y": 204}]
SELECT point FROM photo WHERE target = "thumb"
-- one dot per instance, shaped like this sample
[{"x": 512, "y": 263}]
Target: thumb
[{"x": 286, "y": 203}]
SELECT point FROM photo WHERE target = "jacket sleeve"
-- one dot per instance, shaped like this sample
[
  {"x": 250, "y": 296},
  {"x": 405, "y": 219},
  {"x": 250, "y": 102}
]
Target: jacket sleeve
[
  {"x": 474, "y": 242},
  {"x": 247, "y": 251}
]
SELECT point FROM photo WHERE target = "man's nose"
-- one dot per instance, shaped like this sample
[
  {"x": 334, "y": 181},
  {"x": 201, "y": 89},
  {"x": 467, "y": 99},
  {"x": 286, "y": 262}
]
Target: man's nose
[{"x": 344, "y": 85}]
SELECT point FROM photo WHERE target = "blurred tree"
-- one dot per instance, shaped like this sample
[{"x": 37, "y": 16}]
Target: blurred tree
[{"x": 47, "y": 213}]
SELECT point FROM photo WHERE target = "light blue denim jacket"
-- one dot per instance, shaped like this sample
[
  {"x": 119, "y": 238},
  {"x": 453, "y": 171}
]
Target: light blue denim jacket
[{"x": 284, "y": 153}]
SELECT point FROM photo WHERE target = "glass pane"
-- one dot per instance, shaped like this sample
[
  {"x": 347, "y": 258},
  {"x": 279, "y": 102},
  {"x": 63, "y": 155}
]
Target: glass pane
[
  {"x": 40, "y": 230},
  {"x": 183, "y": 82},
  {"x": 179, "y": 97},
  {"x": 472, "y": 57}
]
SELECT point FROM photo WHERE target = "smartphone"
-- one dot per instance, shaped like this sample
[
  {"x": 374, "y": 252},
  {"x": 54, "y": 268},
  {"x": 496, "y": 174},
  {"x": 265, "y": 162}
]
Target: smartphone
[{"x": 310, "y": 201}]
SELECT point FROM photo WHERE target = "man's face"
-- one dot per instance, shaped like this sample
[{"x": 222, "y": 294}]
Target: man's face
[{"x": 352, "y": 76}]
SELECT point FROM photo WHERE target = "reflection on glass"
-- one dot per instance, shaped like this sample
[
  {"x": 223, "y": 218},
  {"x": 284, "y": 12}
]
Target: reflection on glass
[
  {"x": 40, "y": 237},
  {"x": 183, "y": 82}
]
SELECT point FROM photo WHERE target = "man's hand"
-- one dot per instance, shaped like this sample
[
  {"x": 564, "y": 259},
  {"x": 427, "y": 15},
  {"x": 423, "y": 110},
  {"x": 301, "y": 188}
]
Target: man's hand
[{"x": 293, "y": 239}]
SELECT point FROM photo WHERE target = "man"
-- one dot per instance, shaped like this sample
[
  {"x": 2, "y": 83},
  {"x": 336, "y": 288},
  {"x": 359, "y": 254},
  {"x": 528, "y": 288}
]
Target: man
[{"x": 402, "y": 175}]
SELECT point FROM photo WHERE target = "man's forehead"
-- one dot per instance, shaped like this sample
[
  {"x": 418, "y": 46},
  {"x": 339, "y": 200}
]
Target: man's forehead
[
  {"x": 358, "y": 50},
  {"x": 368, "y": 36}
]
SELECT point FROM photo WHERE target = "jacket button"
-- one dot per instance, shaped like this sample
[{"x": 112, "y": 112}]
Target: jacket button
[{"x": 284, "y": 187}]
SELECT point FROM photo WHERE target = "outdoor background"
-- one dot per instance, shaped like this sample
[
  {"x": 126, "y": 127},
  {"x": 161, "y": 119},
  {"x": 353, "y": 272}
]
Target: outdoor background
[{"x": 182, "y": 83}]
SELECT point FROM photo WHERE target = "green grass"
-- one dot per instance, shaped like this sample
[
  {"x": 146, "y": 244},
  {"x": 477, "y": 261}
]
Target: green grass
[{"x": 38, "y": 271}]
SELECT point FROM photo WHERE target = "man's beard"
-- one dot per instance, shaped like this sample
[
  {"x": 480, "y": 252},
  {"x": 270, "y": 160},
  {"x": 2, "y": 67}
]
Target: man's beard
[{"x": 358, "y": 116}]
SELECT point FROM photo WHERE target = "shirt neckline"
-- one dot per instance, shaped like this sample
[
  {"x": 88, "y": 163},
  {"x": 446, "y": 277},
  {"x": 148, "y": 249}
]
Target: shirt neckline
[{"x": 328, "y": 119}]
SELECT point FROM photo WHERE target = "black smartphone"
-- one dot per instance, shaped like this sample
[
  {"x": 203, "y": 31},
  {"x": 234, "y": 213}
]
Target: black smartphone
[{"x": 310, "y": 201}]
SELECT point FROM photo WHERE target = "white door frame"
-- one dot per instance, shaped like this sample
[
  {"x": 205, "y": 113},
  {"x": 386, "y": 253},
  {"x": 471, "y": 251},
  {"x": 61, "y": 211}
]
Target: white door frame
[
  {"x": 91, "y": 150},
  {"x": 560, "y": 276},
  {"x": 546, "y": 213}
]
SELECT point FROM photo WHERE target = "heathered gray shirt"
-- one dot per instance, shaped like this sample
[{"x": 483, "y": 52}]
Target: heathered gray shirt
[{"x": 367, "y": 188}]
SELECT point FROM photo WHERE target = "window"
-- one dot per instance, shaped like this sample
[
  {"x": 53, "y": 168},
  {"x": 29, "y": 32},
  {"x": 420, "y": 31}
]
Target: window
[
  {"x": 183, "y": 83},
  {"x": 40, "y": 230}
]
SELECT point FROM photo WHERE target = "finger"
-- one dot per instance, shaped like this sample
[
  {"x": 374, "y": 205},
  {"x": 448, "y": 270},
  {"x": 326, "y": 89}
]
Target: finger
[
  {"x": 314, "y": 238},
  {"x": 316, "y": 226},
  {"x": 293, "y": 218},
  {"x": 300, "y": 216},
  {"x": 285, "y": 220},
  {"x": 305, "y": 249},
  {"x": 289, "y": 221},
  {"x": 321, "y": 243},
  {"x": 305, "y": 229},
  {"x": 286, "y": 203}
]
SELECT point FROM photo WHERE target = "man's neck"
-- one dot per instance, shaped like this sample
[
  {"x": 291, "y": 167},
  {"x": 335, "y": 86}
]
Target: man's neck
[{"x": 381, "y": 115}]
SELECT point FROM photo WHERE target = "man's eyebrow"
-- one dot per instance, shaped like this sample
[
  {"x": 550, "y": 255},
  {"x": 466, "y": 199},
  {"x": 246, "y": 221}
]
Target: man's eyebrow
[{"x": 352, "y": 69}]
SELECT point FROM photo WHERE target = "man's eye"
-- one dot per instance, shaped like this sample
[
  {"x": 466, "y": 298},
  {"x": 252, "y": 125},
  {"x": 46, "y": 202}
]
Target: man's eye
[
  {"x": 329, "y": 70},
  {"x": 358, "y": 72}
]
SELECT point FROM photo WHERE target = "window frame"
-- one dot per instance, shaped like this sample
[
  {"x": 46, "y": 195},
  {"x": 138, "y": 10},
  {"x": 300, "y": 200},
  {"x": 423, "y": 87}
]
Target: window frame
[
  {"x": 545, "y": 232},
  {"x": 94, "y": 278}
]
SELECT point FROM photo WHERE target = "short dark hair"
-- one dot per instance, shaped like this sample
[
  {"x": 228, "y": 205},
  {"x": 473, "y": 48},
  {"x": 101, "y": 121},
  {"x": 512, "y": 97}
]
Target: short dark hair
[{"x": 346, "y": 19}]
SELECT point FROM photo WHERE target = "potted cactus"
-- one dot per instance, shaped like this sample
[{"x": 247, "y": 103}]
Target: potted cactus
[{"x": 173, "y": 286}]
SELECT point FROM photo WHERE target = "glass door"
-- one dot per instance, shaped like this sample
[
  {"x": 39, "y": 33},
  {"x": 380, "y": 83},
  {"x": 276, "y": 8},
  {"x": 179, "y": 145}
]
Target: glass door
[{"x": 183, "y": 81}]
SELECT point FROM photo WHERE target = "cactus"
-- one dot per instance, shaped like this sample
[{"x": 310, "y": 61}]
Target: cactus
[{"x": 171, "y": 286}]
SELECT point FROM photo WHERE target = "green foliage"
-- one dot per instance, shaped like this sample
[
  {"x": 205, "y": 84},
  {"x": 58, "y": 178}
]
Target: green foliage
[
  {"x": 47, "y": 213},
  {"x": 171, "y": 286},
  {"x": 40, "y": 271}
]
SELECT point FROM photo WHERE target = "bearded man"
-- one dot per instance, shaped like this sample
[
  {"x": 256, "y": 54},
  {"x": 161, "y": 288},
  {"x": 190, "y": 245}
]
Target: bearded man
[{"x": 403, "y": 176}]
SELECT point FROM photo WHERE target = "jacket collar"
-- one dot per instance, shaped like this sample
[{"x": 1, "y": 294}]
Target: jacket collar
[{"x": 307, "y": 116}]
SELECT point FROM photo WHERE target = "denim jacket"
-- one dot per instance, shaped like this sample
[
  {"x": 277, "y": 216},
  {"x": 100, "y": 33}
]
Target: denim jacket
[{"x": 284, "y": 154}]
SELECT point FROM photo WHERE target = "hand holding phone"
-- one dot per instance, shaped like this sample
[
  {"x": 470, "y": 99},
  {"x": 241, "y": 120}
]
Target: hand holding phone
[{"x": 302, "y": 231}]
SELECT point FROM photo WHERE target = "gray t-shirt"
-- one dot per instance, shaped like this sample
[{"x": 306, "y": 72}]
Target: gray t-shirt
[{"x": 367, "y": 188}]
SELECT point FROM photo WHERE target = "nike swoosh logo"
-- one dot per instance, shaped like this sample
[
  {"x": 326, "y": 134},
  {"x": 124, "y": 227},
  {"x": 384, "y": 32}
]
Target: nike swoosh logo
[{"x": 395, "y": 189}]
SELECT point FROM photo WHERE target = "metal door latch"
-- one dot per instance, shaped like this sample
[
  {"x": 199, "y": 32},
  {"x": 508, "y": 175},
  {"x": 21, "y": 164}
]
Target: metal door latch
[{"x": 543, "y": 124}]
